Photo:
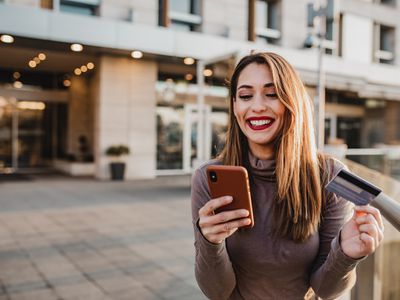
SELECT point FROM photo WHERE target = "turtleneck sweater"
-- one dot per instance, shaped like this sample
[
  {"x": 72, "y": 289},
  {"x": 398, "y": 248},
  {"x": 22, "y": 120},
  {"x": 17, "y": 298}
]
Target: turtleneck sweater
[{"x": 256, "y": 264}]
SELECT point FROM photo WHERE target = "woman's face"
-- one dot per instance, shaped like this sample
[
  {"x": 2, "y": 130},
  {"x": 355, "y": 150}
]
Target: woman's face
[{"x": 258, "y": 111}]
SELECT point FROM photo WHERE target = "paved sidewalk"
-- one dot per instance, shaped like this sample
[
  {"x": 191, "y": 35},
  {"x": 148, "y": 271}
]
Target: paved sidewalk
[{"x": 69, "y": 238}]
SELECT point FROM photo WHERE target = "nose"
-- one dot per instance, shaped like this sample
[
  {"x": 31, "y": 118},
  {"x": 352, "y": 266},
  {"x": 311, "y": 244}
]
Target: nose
[{"x": 259, "y": 104}]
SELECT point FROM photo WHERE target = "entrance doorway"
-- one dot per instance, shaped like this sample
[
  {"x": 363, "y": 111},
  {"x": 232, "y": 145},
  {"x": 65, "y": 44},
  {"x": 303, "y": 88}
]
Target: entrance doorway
[
  {"x": 30, "y": 134},
  {"x": 177, "y": 136}
]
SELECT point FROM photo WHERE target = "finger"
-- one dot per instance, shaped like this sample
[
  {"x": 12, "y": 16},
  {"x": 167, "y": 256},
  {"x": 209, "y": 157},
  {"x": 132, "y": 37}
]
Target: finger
[
  {"x": 229, "y": 226},
  {"x": 372, "y": 220},
  {"x": 360, "y": 213},
  {"x": 223, "y": 217},
  {"x": 213, "y": 204},
  {"x": 369, "y": 229},
  {"x": 371, "y": 210},
  {"x": 374, "y": 231},
  {"x": 369, "y": 243},
  {"x": 205, "y": 221},
  {"x": 367, "y": 219},
  {"x": 223, "y": 235},
  {"x": 228, "y": 216}
]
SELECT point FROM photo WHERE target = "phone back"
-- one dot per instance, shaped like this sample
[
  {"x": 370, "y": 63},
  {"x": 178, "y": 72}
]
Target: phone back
[{"x": 231, "y": 181}]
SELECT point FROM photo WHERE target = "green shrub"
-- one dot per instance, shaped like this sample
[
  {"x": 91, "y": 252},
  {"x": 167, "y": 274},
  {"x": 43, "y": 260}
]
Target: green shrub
[{"x": 117, "y": 150}]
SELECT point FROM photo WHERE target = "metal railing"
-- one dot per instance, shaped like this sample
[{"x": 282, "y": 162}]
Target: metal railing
[
  {"x": 385, "y": 160},
  {"x": 376, "y": 276}
]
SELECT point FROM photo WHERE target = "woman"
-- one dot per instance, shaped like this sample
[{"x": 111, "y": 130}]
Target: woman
[{"x": 303, "y": 236}]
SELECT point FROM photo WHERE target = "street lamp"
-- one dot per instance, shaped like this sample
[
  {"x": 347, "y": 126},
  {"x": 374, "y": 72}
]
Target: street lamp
[{"x": 318, "y": 13}]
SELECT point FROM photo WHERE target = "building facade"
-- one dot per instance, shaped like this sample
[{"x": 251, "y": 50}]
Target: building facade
[
  {"x": 137, "y": 80},
  {"x": 79, "y": 76}
]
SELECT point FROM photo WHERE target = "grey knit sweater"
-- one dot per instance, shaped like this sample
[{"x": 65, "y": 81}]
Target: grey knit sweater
[{"x": 253, "y": 264}]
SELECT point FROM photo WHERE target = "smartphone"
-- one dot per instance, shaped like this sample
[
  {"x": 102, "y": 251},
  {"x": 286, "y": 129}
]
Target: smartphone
[{"x": 231, "y": 181}]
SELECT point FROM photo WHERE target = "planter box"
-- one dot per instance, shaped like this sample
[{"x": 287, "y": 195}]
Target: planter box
[
  {"x": 117, "y": 170},
  {"x": 75, "y": 168}
]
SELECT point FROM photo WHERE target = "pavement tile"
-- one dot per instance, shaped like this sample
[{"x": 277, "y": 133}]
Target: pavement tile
[
  {"x": 13, "y": 253},
  {"x": 38, "y": 294},
  {"x": 86, "y": 239},
  {"x": 176, "y": 289},
  {"x": 66, "y": 280},
  {"x": 21, "y": 277},
  {"x": 117, "y": 284},
  {"x": 136, "y": 292},
  {"x": 84, "y": 290},
  {"x": 25, "y": 287}
]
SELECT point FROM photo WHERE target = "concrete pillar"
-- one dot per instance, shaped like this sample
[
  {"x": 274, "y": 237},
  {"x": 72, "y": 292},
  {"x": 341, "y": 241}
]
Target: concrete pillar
[
  {"x": 125, "y": 113},
  {"x": 80, "y": 115}
]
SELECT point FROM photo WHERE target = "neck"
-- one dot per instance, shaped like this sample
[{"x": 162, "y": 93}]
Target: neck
[{"x": 262, "y": 151}]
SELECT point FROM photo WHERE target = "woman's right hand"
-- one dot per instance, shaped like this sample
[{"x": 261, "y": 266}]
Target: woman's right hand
[{"x": 217, "y": 227}]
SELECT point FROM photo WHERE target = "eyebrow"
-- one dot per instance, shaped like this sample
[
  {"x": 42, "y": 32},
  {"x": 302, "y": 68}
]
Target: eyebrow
[{"x": 245, "y": 86}]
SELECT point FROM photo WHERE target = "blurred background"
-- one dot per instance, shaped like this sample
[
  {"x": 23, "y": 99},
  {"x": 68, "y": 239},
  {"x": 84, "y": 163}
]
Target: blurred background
[{"x": 82, "y": 82}]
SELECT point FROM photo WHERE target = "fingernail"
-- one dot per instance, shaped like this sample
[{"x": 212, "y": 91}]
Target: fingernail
[
  {"x": 228, "y": 198},
  {"x": 245, "y": 213},
  {"x": 360, "y": 213}
]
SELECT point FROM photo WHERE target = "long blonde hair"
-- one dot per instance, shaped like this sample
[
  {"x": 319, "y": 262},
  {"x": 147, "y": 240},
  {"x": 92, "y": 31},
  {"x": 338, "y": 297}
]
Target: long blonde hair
[{"x": 298, "y": 204}]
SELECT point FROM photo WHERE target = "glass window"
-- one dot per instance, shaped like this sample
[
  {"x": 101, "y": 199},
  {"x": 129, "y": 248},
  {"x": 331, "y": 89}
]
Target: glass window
[
  {"x": 387, "y": 39},
  {"x": 82, "y": 7},
  {"x": 389, "y": 2},
  {"x": 386, "y": 44},
  {"x": 185, "y": 14},
  {"x": 6, "y": 127},
  {"x": 169, "y": 138},
  {"x": 267, "y": 21},
  {"x": 219, "y": 127},
  {"x": 182, "y": 6},
  {"x": 329, "y": 35},
  {"x": 349, "y": 129},
  {"x": 329, "y": 29},
  {"x": 267, "y": 14},
  {"x": 273, "y": 15}
]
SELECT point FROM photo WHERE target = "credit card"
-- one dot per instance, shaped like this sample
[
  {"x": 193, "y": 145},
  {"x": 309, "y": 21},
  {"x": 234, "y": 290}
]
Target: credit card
[{"x": 353, "y": 188}]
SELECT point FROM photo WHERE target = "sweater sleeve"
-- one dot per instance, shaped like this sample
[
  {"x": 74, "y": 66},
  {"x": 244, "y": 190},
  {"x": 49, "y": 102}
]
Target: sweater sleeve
[
  {"x": 213, "y": 269},
  {"x": 333, "y": 272}
]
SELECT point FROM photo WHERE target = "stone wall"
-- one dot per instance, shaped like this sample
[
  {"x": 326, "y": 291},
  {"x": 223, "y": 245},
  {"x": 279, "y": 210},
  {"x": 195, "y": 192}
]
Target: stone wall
[{"x": 126, "y": 114}]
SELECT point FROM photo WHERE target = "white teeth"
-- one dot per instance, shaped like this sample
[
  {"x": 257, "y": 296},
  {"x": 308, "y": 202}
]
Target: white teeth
[{"x": 259, "y": 122}]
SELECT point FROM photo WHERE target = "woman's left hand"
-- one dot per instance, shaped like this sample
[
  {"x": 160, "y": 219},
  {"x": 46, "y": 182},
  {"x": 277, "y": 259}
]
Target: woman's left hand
[{"x": 362, "y": 234}]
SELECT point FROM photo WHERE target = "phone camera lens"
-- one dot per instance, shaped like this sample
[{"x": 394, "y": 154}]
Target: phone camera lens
[{"x": 213, "y": 176}]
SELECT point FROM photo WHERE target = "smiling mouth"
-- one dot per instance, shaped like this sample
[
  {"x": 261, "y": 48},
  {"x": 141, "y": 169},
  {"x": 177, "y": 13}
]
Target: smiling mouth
[{"x": 259, "y": 124}]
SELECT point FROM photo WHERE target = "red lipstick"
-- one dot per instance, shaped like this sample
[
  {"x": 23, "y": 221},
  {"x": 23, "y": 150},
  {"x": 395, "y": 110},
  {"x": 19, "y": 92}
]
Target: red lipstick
[{"x": 259, "y": 123}]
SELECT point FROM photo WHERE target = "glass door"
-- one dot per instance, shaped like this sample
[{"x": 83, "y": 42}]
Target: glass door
[
  {"x": 169, "y": 138},
  {"x": 219, "y": 128},
  {"x": 177, "y": 137},
  {"x": 216, "y": 123},
  {"x": 30, "y": 134},
  {"x": 190, "y": 136},
  {"x": 25, "y": 136},
  {"x": 7, "y": 135}
]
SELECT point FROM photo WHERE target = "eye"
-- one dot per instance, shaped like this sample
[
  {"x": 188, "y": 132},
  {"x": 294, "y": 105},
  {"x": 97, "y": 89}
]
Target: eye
[
  {"x": 272, "y": 95},
  {"x": 245, "y": 97}
]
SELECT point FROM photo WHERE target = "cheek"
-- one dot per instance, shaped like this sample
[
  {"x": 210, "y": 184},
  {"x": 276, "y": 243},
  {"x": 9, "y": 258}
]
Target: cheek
[
  {"x": 235, "y": 108},
  {"x": 279, "y": 109}
]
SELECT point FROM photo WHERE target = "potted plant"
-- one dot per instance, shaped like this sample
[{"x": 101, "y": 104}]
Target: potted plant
[{"x": 117, "y": 166}]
